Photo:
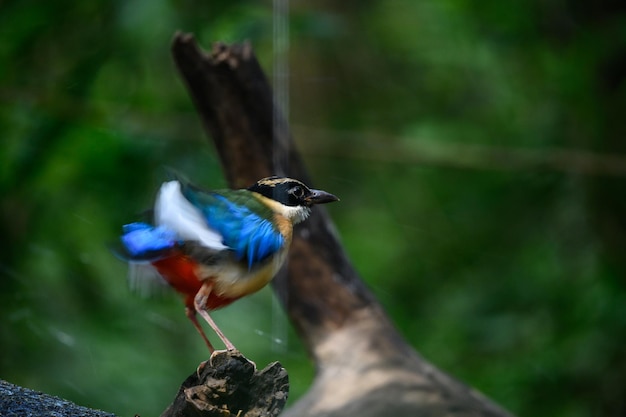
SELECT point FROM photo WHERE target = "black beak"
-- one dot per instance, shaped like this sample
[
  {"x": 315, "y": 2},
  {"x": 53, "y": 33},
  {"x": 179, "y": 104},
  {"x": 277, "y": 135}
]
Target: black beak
[{"x": 319, "y": 197}]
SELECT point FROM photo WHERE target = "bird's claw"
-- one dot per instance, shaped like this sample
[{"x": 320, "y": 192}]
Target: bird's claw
[{"x": 209, "y": 362}]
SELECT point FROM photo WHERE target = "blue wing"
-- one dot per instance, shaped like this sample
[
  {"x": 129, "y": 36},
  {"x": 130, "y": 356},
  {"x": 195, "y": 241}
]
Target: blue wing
[
  {"x": 142, "y": 241},
  {"x": 242, "y": 221}
]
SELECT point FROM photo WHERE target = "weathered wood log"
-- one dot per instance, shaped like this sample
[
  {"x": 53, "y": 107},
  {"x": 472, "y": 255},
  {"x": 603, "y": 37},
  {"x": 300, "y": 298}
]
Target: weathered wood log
[{"x": 364, "y": 367}]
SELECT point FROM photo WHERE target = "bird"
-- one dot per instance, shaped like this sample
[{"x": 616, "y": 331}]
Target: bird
[{"x": 216, "y": 246}]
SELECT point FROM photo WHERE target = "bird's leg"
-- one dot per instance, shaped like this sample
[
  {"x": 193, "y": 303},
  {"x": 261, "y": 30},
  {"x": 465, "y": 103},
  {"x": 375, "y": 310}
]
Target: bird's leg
[
  {"x": 191, "y": 314},
  {"x": 200, "y": 304}
]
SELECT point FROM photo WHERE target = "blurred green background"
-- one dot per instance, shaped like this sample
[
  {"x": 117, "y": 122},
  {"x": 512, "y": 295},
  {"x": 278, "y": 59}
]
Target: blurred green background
[{"x": 478, "y": 149}]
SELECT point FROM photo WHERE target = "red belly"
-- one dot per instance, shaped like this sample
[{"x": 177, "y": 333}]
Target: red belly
[{"x": 180, "y": 272}]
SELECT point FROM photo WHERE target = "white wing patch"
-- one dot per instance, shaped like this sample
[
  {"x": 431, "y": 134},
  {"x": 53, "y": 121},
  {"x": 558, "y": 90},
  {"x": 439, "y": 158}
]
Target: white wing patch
[{"x": 175, "y": 212}]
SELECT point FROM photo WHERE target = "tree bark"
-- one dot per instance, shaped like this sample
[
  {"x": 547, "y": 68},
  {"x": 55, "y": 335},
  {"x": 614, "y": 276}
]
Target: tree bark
[{"x": 364, "y": 367}]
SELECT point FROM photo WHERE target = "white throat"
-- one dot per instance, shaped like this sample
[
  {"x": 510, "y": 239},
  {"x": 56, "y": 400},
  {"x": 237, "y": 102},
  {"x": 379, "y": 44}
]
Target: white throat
[{"x": 296, "y": 214}]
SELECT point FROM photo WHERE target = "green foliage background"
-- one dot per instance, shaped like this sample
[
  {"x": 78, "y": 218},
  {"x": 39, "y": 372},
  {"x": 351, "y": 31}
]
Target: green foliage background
[{"x": 457, "y": 133}]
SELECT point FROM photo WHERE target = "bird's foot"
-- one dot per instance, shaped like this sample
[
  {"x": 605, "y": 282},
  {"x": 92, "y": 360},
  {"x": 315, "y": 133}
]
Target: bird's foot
[
  {"x": 219, "y": 356},
  {"x": 214, "y": 354}
]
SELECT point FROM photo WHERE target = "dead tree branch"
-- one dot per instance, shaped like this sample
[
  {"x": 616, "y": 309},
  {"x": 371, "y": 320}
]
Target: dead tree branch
[{"x": 364, "y": 367}]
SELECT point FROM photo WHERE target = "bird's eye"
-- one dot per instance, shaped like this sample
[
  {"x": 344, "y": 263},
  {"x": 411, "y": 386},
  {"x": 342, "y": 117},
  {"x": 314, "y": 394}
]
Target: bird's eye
[{"x": 297, "y": 192}]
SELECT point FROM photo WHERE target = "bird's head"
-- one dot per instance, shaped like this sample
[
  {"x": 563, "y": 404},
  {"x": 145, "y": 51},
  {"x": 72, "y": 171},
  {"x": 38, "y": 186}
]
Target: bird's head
[{"x": 290, "y": 197}]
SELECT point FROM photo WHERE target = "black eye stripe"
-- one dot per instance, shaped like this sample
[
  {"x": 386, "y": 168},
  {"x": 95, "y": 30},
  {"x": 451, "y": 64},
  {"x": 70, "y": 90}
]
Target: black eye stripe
[
  {"x": 284, "y": 190},
  {"x": 297, "y": 191}
]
